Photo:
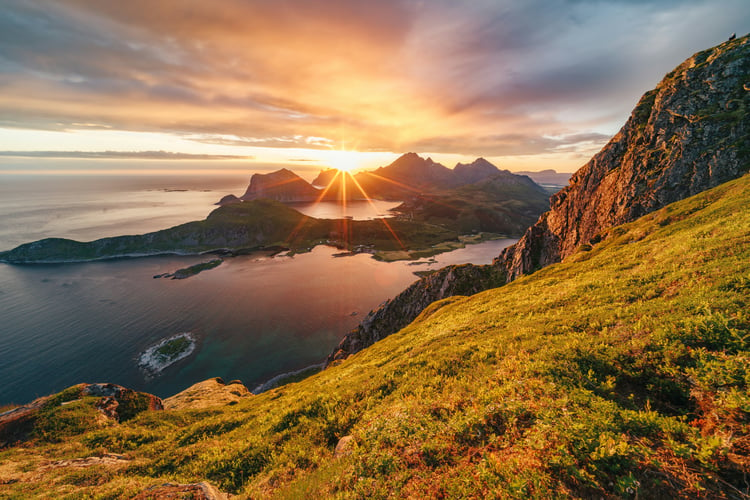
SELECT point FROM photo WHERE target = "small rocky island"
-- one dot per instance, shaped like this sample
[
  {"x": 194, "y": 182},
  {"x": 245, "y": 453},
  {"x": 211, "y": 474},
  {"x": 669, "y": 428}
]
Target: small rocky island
[
  {"x": 166, "y": 352},
  {"x": 187, "y": 272}
]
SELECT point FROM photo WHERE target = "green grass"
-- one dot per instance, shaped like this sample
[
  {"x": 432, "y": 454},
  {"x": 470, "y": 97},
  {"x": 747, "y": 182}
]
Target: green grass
[
  {"x": 173, "y": 348},
  {"x": 622, "y": 372}
]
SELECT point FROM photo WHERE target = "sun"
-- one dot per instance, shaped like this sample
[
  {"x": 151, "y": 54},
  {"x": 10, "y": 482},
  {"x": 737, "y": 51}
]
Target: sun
[{"x": 346, "y": 161}]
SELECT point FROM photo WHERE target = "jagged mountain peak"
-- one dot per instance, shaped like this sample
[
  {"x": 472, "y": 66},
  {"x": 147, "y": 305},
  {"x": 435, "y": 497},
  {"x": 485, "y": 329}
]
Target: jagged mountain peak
[{"x": 690, "y": 133}]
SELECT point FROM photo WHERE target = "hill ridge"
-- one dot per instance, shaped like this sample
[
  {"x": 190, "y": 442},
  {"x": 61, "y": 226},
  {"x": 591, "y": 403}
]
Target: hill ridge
[
  {"x": 620, "y": 371},
  {"x": 688, "y": 134}
]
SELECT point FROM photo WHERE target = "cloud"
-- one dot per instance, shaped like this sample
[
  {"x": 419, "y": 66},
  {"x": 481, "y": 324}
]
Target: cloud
[
  {"x": 130, "y": 155},
  {"x": 476, "y": 76}
]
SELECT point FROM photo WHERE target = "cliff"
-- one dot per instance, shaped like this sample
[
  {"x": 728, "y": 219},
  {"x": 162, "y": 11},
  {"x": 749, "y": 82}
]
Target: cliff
[
  {"x": 282, "y": 185},
  {"x": 621, "y": 372},
  {"x": 690, "y": 133},
  {"x": 396, "y": 313}
]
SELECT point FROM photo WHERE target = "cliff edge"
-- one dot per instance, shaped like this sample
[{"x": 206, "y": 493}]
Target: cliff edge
[{"x": 689, "y": 134}]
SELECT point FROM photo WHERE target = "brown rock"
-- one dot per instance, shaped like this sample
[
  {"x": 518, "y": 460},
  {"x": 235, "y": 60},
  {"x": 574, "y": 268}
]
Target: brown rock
[
  {"x": 689, "y": 134},
  {"x": 344, "y": 447},
  {"x": 195, "y": 491},
  {"x": 211, "y": 392}
]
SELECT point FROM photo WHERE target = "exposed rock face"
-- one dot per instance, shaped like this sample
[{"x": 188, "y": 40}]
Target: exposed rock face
[
  {"x": 282, "y": 185},
  {"x": 691, "y": 133},
  {"x": 120, "y": 403},
  {"x": 396, "y": 313},
  {"x": 211, "y": 392},
  {"x": 116, "y": 403},
  {"x": 195, "y": 491}
]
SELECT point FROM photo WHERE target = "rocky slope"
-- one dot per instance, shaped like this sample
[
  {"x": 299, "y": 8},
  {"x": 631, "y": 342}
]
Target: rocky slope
[
  {"x": 503, "y": 203},
  {"x": 282, "y": 185},
  {"x": 691, "y": 133},
  {"x": 396, "y": 313},
  {"x": 110, "y": 403}
]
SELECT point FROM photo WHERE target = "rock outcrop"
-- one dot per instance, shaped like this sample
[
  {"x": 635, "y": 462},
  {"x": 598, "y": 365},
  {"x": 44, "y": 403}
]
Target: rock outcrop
[
  {"x": 211, "y": 392},
  {"x": 396, "y": 313},
  {"x": 115, "y": 403},
  {"x": 194, "y": 491},
  {"x": 689, "y": 134},
  {"x": 282, "y": 185},
  {"x": 228, "y": 200}
]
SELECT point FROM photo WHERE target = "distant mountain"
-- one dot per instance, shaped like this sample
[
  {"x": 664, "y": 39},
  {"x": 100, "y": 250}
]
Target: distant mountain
[
  {"x": 411, "y": 175},
  {"x": 690, "y": 133},
  {"x": 325, "y": 177},
  {"x": 475, "y": 171},
  {"x": 282, "y": 185},
  {"x": 408, "y": 176},
  {"x": 548, "y": 177},
  {"x": 504, "y": 203},
  {"x": 338, "y": 185}
]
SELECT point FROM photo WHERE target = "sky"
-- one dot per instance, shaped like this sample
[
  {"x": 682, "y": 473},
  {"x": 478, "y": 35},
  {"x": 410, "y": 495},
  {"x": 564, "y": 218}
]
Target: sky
[{"x": 528, "y": 84}]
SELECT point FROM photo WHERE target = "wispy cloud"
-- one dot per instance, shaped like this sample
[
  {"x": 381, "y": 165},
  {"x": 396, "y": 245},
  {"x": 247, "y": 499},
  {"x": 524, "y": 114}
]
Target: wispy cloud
[
  {"x": 122, "y": 155},
  {"x": 486, "y": 77}
]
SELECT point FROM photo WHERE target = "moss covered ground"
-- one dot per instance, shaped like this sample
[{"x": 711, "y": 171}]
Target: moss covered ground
[{"x": 621, "y": 372}]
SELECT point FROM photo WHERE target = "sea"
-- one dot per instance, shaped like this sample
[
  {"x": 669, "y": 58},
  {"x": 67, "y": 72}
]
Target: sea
[{"x": 254, "y": 317}]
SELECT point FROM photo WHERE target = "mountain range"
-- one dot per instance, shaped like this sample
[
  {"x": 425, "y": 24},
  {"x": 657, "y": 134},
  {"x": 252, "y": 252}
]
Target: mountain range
[
  {"x": 605, "y": 355},
  {"x": 688, "y": 134},
  {"x": 408, "y": 176}
]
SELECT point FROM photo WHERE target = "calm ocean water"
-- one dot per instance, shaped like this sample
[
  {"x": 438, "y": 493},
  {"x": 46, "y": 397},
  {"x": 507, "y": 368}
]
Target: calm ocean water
[{"x": 254, "y": 316}]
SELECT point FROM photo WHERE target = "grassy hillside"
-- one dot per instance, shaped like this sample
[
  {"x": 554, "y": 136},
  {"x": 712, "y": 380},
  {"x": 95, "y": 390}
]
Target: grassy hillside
[
  {"x": 504, "y": 204},
  {"x": 622, "y": 372}
]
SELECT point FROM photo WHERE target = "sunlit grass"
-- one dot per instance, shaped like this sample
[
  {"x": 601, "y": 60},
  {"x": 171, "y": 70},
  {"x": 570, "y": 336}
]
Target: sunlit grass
[{"x": 621, "y": 372}]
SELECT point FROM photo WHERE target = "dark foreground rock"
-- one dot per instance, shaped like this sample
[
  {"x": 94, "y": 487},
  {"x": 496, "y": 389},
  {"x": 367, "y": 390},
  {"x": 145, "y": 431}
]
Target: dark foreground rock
[
  {"x": 194, "y": 491},
  {"x": 115, "y": 403},
  {"x": 401, "y": 310}
]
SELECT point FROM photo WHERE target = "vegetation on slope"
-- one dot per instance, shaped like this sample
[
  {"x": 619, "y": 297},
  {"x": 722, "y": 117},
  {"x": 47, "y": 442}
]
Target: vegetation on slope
[
  {"x": 241, "y": 227},
  {"x": 504, "y": 204},
  {"x": 621, "y": 372}
]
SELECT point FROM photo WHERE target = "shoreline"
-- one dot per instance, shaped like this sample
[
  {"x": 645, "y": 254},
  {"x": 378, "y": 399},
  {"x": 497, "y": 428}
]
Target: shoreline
[{"x": 277, "y": 381}]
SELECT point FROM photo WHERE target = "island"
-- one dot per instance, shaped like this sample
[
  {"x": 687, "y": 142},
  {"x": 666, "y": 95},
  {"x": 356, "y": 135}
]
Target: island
[
  {"x": 187, "y": 272},
  {"x": 445, "y": 209},
  {"x": 166, "y": 352}
]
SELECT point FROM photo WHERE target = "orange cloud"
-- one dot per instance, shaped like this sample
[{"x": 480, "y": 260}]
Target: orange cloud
[{"x": 452, "y": 76}]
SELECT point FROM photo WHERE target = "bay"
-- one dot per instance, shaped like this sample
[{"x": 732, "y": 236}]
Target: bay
[{"x": 254, "y": 316}]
